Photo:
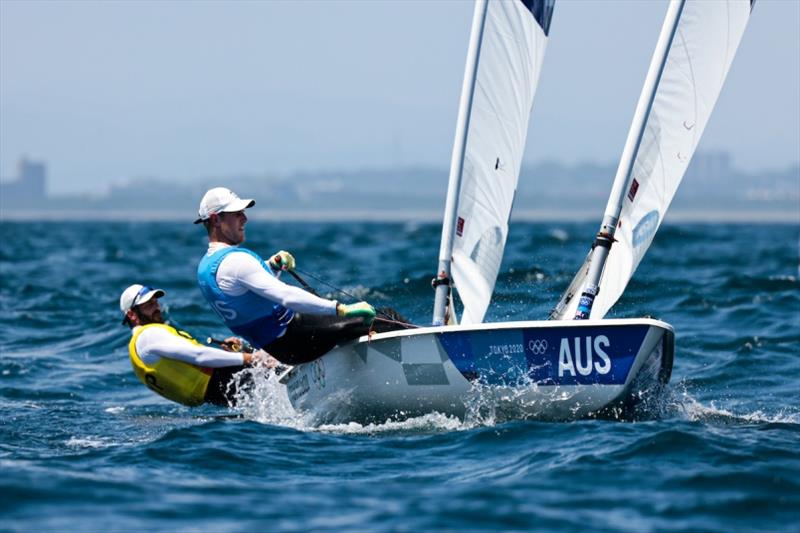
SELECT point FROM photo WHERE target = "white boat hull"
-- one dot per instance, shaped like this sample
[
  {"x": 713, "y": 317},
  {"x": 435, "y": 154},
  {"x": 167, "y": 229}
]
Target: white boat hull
[{"x": 551, "y": 370}]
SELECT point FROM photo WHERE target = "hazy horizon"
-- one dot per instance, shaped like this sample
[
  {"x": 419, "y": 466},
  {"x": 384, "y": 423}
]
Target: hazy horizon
[{"x": 109, "y": 92}]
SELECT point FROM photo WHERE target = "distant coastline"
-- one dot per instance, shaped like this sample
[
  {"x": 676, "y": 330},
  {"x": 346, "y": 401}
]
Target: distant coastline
[
  {"x": 713, "y": 190},
  {"x": 392, "y": 216}
]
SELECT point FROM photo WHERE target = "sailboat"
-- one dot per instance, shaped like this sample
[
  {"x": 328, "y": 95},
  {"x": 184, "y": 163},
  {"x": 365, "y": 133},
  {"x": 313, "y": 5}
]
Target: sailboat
[{"x": 577, "y": 363}]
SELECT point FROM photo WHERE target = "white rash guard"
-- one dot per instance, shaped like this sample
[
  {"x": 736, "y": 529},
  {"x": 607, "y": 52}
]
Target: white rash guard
[
  {"x": 239, "y": 273},
  {"x": 155, "y": 343}
]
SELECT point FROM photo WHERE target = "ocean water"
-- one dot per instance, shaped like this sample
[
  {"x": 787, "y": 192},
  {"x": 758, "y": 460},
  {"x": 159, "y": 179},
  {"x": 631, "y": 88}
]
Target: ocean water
[{"x": 85, "y": 447}]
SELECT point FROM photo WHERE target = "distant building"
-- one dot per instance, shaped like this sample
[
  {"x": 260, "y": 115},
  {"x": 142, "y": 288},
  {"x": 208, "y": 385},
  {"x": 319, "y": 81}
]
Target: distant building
[
  {"x": 710, "y": 167},
  {"x": 30, "y": 186}
]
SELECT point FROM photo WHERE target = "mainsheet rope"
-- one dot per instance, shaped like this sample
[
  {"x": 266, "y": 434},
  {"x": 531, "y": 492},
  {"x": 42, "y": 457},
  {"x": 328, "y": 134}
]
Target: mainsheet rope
[{"x": 384, "y": 318}]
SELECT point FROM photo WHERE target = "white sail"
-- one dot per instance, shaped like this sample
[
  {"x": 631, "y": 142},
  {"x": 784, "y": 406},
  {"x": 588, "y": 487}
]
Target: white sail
[
  {"x": 705, "y": 42},
  {"x": 510, "y": 58}
]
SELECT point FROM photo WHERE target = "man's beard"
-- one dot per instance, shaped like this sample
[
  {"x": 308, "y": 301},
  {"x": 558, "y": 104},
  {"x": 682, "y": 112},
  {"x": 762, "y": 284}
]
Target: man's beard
[{"x": 155, "y": 318}]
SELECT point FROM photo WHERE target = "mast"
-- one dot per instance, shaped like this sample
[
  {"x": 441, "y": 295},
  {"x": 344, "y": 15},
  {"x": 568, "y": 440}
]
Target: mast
[
  {"x": 442, "y": 281},
  {"x": 605, "y": 237}
]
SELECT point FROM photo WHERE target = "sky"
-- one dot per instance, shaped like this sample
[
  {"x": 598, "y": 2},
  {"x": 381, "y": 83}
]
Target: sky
[{"x": 109, "y": 92}]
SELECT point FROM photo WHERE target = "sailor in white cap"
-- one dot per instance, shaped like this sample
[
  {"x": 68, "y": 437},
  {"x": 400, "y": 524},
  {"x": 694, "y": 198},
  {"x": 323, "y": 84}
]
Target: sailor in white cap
[
  {"x": 172, "y": 363},
  {"x": 293, "y": 325}
]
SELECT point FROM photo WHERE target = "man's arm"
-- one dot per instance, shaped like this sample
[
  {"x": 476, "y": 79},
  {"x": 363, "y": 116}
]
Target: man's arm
[
  {"x": 157, "y": 342},
  {"x": 249, "y": 272}
]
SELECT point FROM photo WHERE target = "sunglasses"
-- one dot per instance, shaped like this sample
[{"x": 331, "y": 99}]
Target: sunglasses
[{"x": 144, "y": 290}]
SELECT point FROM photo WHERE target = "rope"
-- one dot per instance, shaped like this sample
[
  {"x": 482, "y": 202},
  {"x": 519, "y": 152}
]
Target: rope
[
  {"x": 385, "y": 317},
  {"x": 407, "y": 325},
  {"x": 329, "y": 284}
]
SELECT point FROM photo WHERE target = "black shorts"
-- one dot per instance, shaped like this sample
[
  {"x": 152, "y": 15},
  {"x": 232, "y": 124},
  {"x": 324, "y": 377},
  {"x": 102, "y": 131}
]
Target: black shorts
[{"x": 309, "y": 337}]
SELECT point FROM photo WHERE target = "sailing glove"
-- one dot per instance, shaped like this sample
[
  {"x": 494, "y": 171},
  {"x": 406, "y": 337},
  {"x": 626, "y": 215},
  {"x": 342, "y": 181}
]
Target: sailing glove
[
  {"x": 358, "y": 310},
  {"x": 283, "y": 260}
]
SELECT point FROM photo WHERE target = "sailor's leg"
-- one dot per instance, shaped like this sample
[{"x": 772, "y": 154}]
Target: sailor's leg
[{"x": 308, "y": 337}]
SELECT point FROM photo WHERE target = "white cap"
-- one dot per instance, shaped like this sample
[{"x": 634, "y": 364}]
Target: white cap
[
  {"x": 136, "y": 295},
  {"x": 221, "y": 200}
]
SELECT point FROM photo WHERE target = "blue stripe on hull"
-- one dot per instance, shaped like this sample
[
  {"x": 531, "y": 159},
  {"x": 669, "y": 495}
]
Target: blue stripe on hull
[{"x": 555, "y": 356}]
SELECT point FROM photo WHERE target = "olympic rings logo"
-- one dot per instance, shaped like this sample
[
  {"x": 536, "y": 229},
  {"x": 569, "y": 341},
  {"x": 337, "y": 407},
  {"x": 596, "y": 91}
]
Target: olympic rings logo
[
  {"x": 318, "y": 373},
  {"x": 538, "y": 346}
]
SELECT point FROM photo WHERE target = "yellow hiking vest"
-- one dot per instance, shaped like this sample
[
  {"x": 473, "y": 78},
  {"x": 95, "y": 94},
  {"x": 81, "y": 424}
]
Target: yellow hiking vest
[{"x": 174, "y": 380}]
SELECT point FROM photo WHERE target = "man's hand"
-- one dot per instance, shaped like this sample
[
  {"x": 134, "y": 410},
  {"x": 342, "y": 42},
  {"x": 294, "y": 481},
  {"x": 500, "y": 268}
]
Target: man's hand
[
  {"x": 358, "y": 310},
  {"x": 232, "y": 344},
  {"x": 283, "y": 260}
]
